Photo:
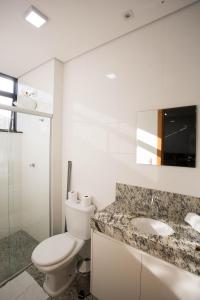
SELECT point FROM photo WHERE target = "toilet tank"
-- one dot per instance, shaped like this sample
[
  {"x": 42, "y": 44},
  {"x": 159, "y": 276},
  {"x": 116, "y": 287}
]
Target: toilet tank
[{"x": 78, "y": 218}]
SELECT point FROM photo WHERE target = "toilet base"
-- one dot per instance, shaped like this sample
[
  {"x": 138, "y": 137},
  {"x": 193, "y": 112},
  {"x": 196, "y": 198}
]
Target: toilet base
[{"x": 57, "y": 282}]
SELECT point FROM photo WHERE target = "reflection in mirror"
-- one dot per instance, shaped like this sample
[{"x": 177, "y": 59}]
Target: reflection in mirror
[{"x": 167, "y": 137}]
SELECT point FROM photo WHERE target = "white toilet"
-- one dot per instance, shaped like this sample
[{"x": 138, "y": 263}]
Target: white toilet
[{"x": 55, "y": 256}]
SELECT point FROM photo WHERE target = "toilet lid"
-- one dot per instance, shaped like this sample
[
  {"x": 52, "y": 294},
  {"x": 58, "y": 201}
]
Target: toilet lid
[{"x": 53, "y": 250}]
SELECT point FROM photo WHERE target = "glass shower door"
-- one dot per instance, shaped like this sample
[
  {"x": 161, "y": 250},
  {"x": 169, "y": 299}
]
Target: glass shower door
[
  {"x": 29, "y": 213},
  {"x": 4, "y": 195},
  {"x": 24, "y": 191}
]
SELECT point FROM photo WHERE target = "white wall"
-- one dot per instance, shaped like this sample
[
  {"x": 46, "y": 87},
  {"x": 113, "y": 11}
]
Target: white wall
[
  {"x": 46, "y": 82},
  {"x": 156, "y": 67},
  {"x": 56, "y": 149},
  {"x": 40, "y": 83},
  {"x": 35, "y": 150},
  {"x": 147, "y": 137}
]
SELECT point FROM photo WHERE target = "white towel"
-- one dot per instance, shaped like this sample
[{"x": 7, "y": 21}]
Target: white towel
[{"x": 193, "y": 220}]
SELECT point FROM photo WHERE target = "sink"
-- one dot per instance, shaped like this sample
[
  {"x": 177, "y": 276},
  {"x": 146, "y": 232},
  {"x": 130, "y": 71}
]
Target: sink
[{"x": 151, "y": 226}]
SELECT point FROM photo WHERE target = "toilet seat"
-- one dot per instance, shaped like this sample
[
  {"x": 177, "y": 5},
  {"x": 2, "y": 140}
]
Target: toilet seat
[{"x": 53, "y": 250}]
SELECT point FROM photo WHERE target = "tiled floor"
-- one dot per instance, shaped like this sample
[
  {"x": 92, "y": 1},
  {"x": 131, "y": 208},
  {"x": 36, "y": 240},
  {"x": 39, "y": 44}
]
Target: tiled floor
[
  {"x": 22, "y": 287},
  {"x": 69, "y": 294},
  {"x": 15, "y": 253}
]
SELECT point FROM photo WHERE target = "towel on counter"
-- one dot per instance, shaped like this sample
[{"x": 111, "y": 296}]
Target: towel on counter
[{"x": 193, "y": 220}]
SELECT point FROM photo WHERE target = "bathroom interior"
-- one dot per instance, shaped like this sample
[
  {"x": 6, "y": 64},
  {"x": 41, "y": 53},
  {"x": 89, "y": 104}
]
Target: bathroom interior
[{"x": 99, "y": 150}]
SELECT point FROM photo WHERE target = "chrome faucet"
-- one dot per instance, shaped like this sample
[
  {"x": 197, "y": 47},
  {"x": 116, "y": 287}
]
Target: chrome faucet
[{"x": 153, "y": 198}]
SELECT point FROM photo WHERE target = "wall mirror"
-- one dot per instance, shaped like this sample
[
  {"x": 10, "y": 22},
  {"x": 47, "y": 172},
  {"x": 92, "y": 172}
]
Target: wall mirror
[{"x": 167, "y": 137}]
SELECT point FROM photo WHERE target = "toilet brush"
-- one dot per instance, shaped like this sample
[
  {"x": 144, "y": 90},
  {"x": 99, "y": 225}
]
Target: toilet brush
[{"x": 69, "y": 172}]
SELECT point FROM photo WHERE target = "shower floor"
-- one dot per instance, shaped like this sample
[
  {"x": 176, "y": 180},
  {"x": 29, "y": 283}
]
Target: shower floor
[{"x": 15, "y": 253}]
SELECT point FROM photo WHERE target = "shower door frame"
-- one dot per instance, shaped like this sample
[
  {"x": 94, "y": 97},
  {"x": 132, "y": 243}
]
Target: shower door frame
[{"x": 45, "y": 115}]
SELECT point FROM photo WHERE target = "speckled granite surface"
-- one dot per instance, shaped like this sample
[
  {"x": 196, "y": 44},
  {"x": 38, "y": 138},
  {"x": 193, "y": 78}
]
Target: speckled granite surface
[{"x": 179, "y": 249}]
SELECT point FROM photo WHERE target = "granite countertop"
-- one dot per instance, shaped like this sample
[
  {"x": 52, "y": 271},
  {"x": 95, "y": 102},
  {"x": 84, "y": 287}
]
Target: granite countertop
[{"x": 180, "y": 249}]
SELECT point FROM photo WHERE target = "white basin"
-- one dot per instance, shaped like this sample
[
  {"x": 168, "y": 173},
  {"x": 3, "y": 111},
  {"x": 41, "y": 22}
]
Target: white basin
[{"x": 151, "y": 226}]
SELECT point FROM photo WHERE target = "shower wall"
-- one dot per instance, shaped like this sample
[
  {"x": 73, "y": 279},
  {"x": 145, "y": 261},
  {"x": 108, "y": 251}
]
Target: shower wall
[{"x": 45, "y": 85}]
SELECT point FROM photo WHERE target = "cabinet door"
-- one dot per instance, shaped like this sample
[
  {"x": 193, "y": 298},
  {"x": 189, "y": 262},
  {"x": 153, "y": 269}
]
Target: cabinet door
[
  {"x": 163, "y": 281},
  {"x": 115, "y": 269}
]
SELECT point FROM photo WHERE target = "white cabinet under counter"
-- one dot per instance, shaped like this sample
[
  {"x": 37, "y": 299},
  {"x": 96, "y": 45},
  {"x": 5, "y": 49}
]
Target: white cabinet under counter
[
  {"x": 121, "y": 272},
  {"x": 163, "y": 281},
  {"x": 115, "y": 269}
]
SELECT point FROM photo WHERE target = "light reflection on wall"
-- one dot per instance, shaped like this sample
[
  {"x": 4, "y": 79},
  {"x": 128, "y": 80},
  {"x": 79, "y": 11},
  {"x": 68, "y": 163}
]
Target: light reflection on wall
[{"x": 147, "y": 138}]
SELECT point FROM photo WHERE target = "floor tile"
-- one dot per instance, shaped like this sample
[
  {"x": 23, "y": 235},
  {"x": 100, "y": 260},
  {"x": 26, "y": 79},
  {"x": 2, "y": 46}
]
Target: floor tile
[{"x": 22, "y": 287}]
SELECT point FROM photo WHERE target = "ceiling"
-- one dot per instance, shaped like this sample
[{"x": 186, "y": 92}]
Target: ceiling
[{"x": 74, "y": 27}]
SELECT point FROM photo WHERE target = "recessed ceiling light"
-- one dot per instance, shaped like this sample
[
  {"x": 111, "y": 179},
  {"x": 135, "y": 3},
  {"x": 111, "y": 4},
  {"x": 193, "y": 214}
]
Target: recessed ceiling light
[
  {"x": 129, "y": 14},
  {"x": 111, "y": 76},
  {"x": 35, "y": 17}
]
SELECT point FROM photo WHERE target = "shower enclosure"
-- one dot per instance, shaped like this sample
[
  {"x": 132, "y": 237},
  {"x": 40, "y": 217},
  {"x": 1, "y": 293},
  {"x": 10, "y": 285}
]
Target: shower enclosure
[{"x": 24, "y": 186}]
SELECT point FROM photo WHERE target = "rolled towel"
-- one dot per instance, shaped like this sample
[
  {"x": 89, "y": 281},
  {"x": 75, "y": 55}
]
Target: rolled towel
[{"x": 193, "y": 220}]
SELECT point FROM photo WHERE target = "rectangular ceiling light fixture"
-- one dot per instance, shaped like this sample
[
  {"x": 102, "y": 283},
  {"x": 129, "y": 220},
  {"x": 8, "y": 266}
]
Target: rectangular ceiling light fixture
[
  {"x": 111, "y": 76},
  {"x": 35, "y": 17}
]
